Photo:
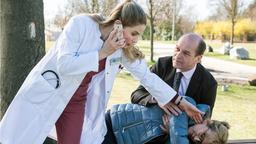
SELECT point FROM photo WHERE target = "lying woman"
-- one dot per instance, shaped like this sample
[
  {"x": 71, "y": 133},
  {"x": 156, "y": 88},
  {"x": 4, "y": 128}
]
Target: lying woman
[{"x": 136, "y": 124}]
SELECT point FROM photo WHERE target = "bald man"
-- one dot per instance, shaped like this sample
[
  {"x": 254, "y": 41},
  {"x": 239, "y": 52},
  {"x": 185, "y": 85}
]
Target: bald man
[{"x": 195, "y": 82}]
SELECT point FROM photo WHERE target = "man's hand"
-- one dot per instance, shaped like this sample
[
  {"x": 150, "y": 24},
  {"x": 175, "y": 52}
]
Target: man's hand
[{"x": 171, "y": 108}]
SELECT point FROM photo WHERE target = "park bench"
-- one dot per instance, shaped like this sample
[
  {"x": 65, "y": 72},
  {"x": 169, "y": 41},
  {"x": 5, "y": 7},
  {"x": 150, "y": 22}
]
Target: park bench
[
  {"x": 242, "y": 141},
  {"x": 245, "y": 141},
  {"x": 51, "y": 139}
]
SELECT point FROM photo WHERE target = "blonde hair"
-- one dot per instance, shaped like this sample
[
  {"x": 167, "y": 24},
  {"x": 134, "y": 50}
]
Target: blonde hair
[
  {"x": 221, "y": 129},
  {"x": 131, "y": 14}
]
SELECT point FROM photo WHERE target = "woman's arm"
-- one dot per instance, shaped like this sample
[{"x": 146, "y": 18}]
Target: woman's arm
[{"x": 161, "y": 91}]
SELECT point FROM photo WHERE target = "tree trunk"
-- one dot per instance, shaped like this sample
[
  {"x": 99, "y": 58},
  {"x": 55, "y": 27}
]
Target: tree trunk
[
  {"x": 232, "y": 33},
  {"x": 22, "y": 44},
  {"x": 151, "y": 40}
]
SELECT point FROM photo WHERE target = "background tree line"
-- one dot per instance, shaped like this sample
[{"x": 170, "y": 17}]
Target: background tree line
[
  {"x": 231, "y": 21},
  {"x": 169, "y": 19},
  {"x": 230, "y": 18},
  {"x": 160, "y": 15}
]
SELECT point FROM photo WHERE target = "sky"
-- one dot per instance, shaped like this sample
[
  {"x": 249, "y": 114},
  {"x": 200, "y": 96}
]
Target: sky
[
  {"x": 51, "y": 6},
  {"x": 199, "y": 7}
]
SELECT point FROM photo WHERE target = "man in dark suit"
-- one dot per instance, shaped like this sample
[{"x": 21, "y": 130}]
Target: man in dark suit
[
  {"x": 196, "y": 81},
  {"x": 193, "y": 80}
]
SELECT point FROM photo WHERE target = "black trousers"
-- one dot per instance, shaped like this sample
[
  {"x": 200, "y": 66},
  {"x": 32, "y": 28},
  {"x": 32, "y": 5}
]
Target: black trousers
[{"x": 109, "y": 137}]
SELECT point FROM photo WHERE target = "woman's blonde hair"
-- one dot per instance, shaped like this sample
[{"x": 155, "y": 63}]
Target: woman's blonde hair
[
  {"x": 221, "y": 129},
  {"x": 131, "y": 14}
]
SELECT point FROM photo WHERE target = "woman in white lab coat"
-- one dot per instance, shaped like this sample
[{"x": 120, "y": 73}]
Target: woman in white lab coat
[{"x": 71, "y": 85}]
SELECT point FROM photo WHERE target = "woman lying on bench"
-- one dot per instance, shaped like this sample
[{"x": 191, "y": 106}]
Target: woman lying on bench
[{"x": 136, "y": 124}]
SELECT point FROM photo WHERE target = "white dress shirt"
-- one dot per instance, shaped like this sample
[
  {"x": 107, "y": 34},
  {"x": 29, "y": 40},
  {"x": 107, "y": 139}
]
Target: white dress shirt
[{"x": 185, "y": 80}]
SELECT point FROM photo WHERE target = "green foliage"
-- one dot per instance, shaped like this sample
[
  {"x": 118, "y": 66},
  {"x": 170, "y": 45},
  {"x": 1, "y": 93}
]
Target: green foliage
[
  {"x": 162, "y": 31},
  {"x": 165, "y": 30},
  {"x": 146, "y": 34}
]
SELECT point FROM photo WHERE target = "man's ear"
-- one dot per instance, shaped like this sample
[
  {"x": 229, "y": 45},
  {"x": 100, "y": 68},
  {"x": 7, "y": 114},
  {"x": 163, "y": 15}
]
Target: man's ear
[{"x": 199, "y": 58}]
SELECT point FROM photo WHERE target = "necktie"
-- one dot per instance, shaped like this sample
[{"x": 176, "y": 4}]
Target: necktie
[{"x": 177, "y": 80}]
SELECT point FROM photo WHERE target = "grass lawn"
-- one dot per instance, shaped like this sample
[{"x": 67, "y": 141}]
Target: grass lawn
[{"x": 236, "y": 106}]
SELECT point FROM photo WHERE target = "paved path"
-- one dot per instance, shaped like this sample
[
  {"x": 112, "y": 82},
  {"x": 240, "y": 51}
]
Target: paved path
[
  {"x": 229, "y": 69},
  {"x": 219, "y": 68}
]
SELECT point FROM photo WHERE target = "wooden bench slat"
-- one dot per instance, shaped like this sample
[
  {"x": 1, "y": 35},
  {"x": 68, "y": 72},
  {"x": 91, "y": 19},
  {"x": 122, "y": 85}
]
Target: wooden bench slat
[{"x": 242, "y": 141}]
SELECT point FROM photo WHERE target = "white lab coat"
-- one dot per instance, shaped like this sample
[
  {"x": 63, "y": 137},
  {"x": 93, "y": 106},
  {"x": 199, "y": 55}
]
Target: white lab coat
[{"x": 37, "y": 105}]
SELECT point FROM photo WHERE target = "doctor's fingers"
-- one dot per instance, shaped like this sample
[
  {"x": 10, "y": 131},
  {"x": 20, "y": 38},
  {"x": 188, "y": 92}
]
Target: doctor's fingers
[
  {"x": 197, "y": 118},
  {"x": 112, "y": 45},
  {"x": 121, "y": 43},
  {"x": 165, "y": 110},
  {"x": 176, "y": 108},
  {"x": 112, "y": 35},
  {"x": 118, "y": 44},
  {"x": 172, "y": 110}
]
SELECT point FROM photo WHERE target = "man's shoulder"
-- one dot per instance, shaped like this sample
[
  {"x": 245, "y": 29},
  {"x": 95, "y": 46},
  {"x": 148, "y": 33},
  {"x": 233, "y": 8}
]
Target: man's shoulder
[
  {"x": 165, "y": 63},
  {"x": 165, "y": 60},
  {"x": 207, "y": 76}
]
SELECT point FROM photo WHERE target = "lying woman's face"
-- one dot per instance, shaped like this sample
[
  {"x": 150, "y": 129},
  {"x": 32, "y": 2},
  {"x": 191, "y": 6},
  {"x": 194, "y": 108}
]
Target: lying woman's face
[{"x": 201, "y": 133}]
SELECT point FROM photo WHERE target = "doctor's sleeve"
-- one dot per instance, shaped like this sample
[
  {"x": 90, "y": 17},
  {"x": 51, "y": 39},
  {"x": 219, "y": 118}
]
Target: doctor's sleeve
[
  {"x": 160, "y": 90},
  {"x": 141, "y": 95},
  {"x": 69, "y": 60}
]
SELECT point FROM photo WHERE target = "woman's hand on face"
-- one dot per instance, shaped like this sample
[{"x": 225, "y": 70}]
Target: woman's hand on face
[
  {"x": 166, "y": 123},
  {"x": 111, "y": 44}
]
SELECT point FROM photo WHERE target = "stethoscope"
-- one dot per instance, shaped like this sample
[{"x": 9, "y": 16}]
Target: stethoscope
[{"x": 56, "y": 77}]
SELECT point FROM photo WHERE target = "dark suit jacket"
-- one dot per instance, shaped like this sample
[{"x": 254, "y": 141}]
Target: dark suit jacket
[{"x": 202, "y": 86}]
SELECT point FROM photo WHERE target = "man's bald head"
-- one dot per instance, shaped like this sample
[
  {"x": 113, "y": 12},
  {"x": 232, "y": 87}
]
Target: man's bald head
[{"x": 197, "y": 40}]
